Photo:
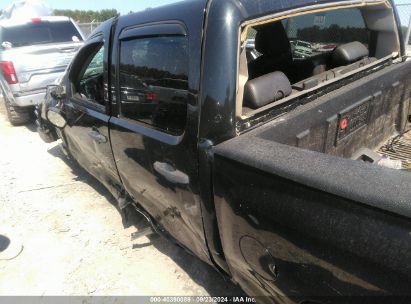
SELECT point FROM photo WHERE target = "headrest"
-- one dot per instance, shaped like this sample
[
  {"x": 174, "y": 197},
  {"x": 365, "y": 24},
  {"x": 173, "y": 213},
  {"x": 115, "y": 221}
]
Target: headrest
[
  {"x": 265, "y": 89},
  {"x": 271, "y": 39},
  {"x": 349, "y": 53}
]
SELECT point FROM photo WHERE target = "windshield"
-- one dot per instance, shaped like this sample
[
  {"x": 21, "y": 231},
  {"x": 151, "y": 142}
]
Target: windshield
[{"x": 40, "y": 33}]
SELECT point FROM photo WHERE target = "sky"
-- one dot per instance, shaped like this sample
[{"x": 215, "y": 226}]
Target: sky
[
  {"x": 123, "y": 6},
  {"x": 404, "y": 11}
]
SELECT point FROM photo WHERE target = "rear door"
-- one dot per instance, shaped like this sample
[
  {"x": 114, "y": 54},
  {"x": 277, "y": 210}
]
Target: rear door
[
  {"x": 86, "y": 109},
  {"x": 154, "y": 133}
]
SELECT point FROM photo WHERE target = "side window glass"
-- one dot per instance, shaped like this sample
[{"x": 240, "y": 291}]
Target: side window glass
[
  {"x": 90, "y": 85},
  {"x": 154, "y": 82}
]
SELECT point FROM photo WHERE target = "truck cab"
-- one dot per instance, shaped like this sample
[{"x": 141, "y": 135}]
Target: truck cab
[{"x": 270, "y": 166}]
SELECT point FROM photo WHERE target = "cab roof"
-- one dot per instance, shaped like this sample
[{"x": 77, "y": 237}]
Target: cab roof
[{"x": 247, "y": 8}]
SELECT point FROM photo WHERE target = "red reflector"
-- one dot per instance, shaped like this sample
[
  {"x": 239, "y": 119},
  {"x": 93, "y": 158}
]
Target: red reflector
[
  {"x": 151, "y": 96},
  {"x": 36, "y": 20},
  {"x": 344, "y": 124},
  {"x": 9, "y": 73}
]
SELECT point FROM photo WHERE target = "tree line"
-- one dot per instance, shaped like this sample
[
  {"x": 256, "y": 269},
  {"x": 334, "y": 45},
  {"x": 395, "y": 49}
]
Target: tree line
[{"x": 87, "y": 16}]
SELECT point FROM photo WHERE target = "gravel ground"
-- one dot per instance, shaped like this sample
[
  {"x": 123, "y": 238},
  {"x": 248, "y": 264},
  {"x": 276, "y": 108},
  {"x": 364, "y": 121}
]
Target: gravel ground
[{"x": 68, "y": 238}]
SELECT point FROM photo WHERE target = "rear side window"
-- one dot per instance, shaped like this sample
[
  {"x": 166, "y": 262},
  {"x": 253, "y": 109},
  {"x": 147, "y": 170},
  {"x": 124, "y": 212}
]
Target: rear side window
[
  {"x": 313, "y": 34},
  {"x": 154, "y": 82},
  {"x": 40, "y": 33}
]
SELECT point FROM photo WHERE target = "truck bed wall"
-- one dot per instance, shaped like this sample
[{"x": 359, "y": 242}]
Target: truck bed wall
[
  {"x": 309, "y": 225},
  {"x": 330, "y": 226},
  {"x": 328, "y": 229},
  {"x": 381, "y": 99}
]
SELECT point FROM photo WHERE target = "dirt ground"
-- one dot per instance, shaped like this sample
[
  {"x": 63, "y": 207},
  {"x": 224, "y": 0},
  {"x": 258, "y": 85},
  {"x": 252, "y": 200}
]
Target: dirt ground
[{"x": 61, "y": 234}]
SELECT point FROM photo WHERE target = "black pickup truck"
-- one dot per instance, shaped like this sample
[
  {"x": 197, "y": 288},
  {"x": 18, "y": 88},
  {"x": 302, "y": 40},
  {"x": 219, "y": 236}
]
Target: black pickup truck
[{"x": 288, "y": 172}]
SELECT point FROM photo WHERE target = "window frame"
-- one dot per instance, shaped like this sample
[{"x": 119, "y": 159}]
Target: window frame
[
  {"x": 146, "y": 31},
  {"x": 78, "y": 68},
  {"x": 243, "y": 119}
]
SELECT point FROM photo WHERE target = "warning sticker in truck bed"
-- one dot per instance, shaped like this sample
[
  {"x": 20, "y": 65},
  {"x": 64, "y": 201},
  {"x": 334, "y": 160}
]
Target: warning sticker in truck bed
[{"x": 353, "y": 118}]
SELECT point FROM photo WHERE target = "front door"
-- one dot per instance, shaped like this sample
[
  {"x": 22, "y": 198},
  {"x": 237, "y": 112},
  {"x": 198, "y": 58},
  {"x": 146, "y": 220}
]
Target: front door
[{"x": 86, "y": 109}]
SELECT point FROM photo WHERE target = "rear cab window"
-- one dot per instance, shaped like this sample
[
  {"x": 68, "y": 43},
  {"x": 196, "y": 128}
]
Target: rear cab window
[
  {"x": 39, "y": 32},
  {"x": 320, "y": 33},
  {"x": 286, "y": 57}
]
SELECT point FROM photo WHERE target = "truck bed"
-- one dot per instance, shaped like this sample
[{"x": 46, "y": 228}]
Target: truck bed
[
  {"x": 318, "y": 221},
  {"x": 308, "y": 146},
  {"x": 376, "y": 108}
]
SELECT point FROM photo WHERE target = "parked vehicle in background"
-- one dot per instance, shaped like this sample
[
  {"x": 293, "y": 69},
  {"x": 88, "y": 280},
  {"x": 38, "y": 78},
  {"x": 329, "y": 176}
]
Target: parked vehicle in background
[
  {"x": 301, "y": 49},
  {"x": 33, "y": 54},
  {"x": 276, "y": 170}
]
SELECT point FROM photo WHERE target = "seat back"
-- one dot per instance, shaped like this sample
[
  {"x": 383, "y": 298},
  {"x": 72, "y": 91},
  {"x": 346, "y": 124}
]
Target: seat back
[
  {"x": 272, "y": 42},
  {"x": 349, "y": 53},
  {"x": 265, "y": 89}
]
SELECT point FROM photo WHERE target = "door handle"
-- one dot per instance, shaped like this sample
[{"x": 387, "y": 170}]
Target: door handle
[
  {"x": 171, "y": 174},
  {"x": 97, "y": 136}
]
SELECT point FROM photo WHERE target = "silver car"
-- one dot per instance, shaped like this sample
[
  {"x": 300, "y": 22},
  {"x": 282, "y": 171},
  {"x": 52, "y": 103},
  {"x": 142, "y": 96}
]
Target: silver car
[{"x": 33, "y": 54}]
